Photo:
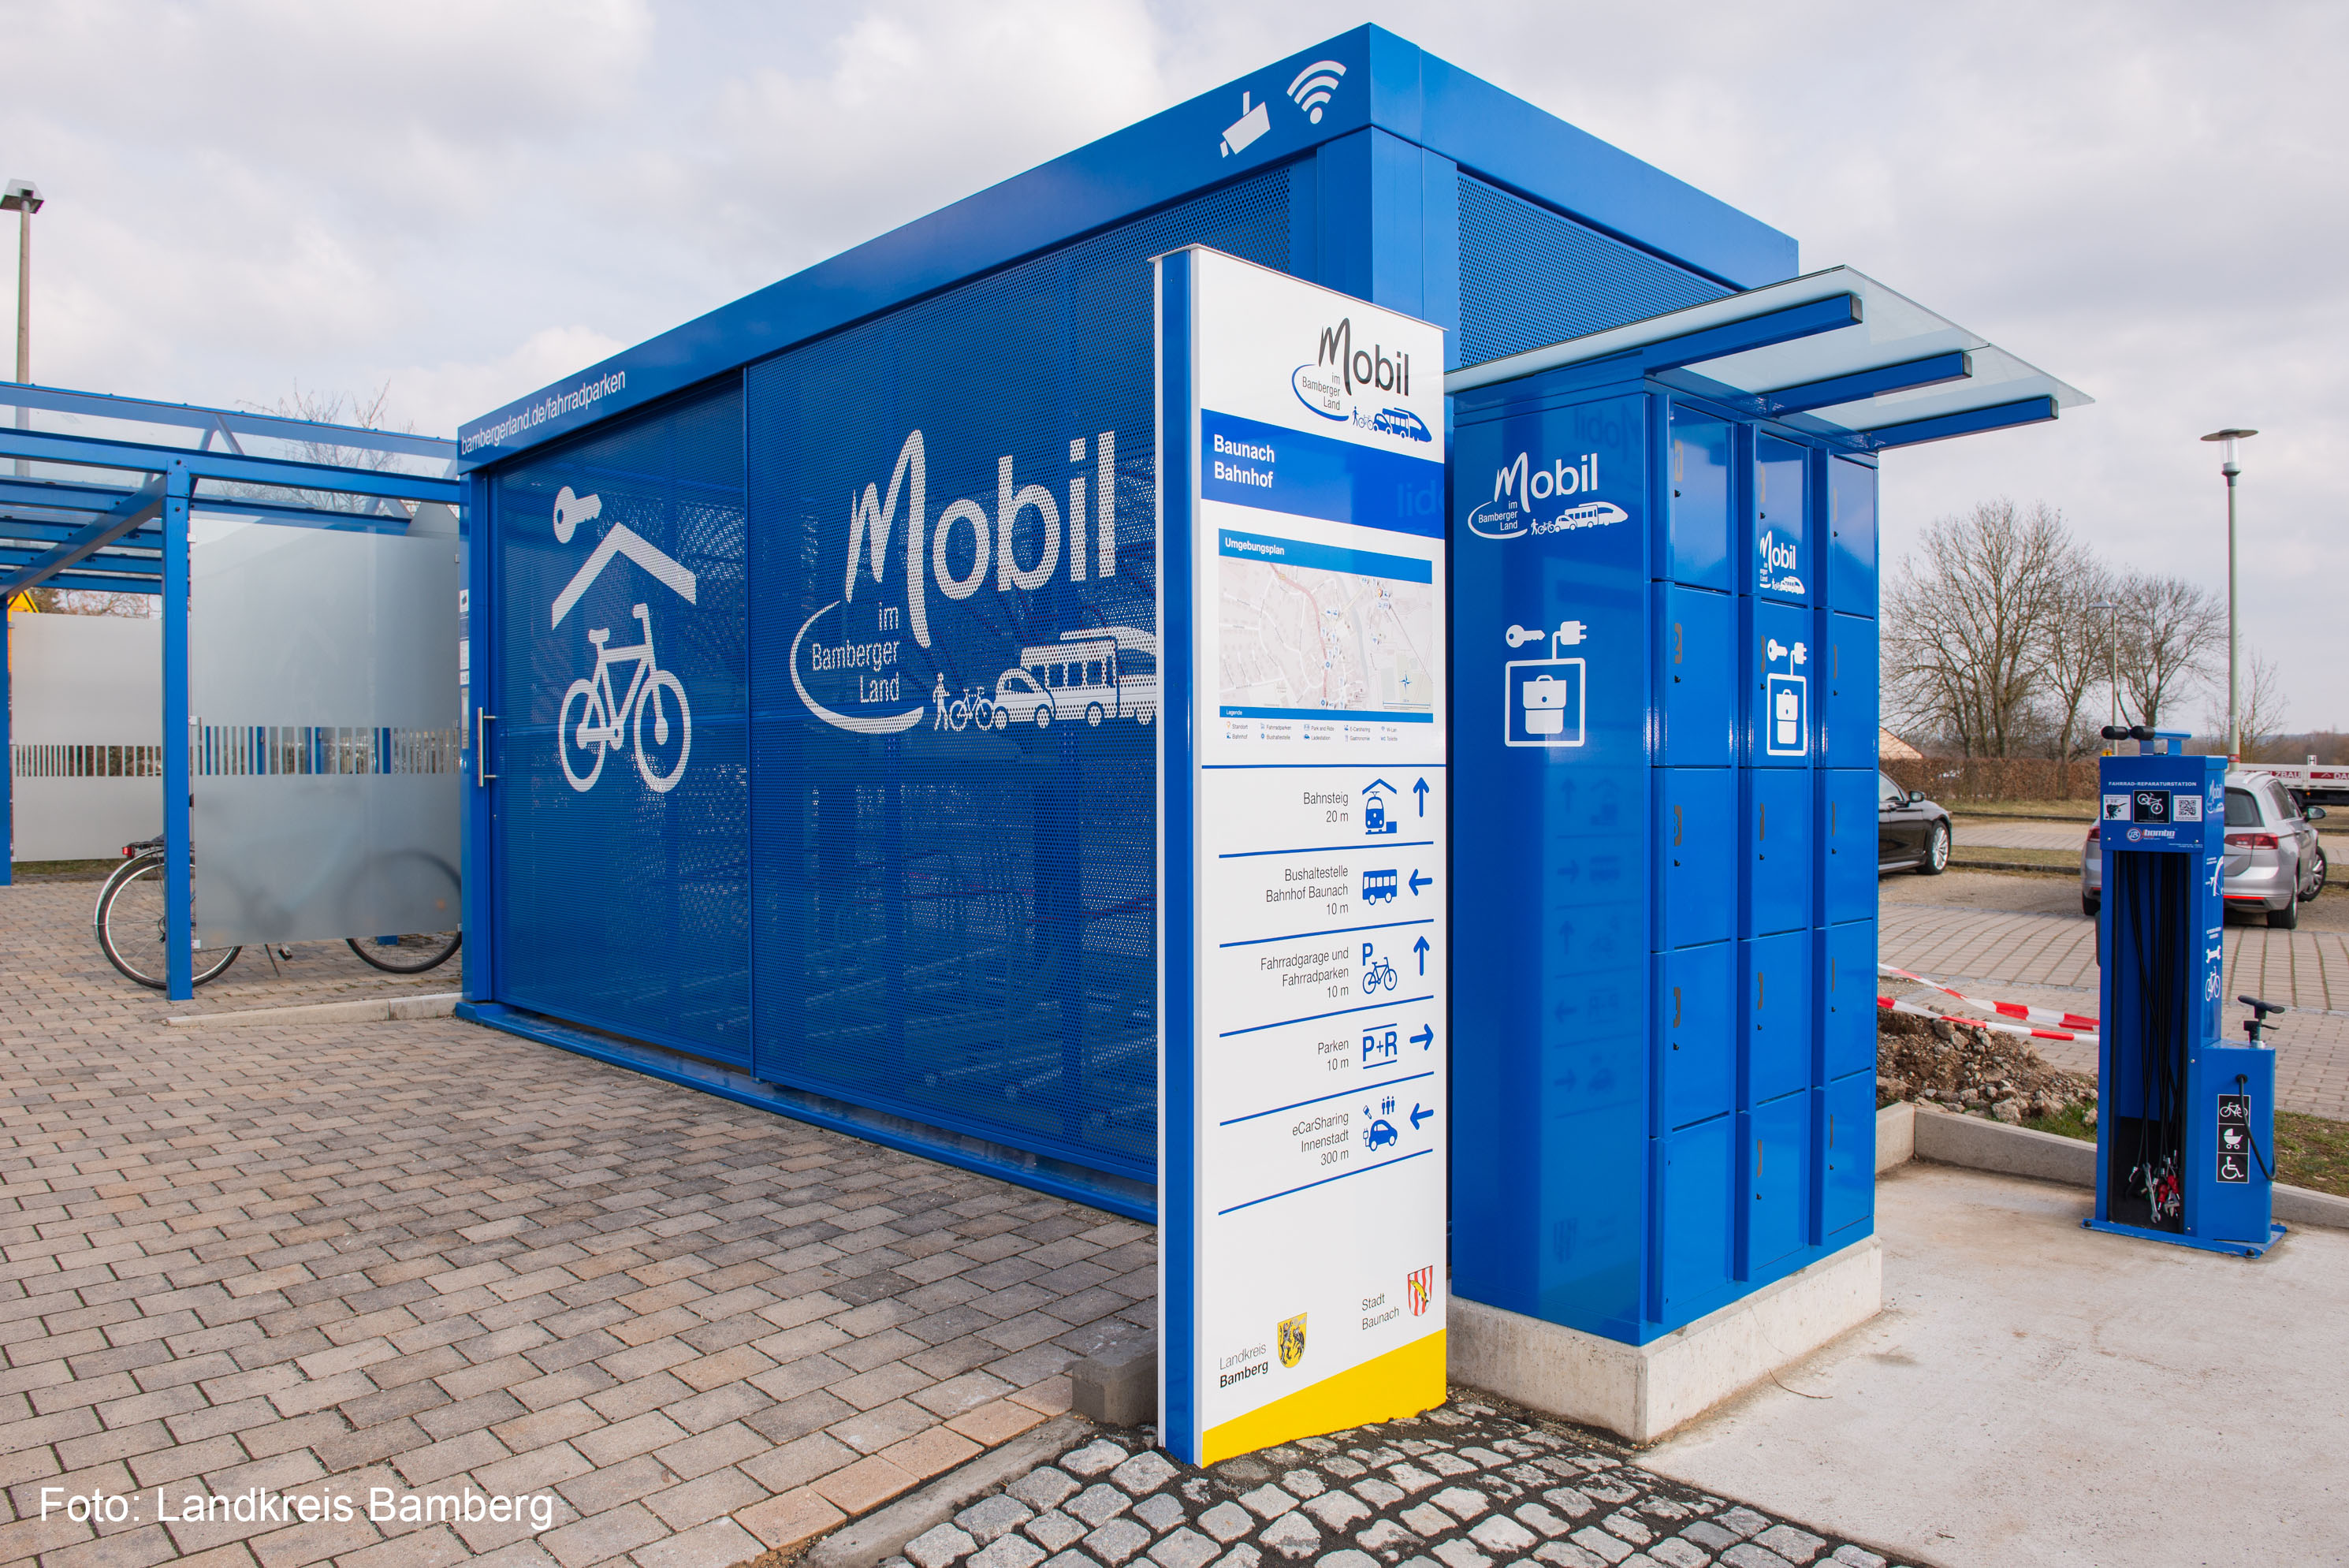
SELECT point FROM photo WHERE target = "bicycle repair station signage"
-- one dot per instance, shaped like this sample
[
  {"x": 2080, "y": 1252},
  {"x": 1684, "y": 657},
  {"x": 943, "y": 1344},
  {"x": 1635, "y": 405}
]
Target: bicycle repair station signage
[{"x": 1302, "y": 1124}]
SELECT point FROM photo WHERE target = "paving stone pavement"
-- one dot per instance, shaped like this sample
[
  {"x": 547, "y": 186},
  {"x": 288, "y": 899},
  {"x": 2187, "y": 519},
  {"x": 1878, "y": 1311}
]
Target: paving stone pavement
[
  {"x": 425, "y": 1256},
  {"x": 1466, "y": 1486},
  {"x": 2051, "y": 960}
]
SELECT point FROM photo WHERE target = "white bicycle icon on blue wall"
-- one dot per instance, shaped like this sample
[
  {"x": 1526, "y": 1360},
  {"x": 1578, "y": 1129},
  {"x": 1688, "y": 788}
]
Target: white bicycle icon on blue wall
[{"x": 590, "y": 725}]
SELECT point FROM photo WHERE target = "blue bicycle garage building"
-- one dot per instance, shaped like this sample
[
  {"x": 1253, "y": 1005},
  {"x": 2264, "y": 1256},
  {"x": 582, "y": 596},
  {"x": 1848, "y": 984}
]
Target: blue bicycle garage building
[{"x": 815, "y": 660}]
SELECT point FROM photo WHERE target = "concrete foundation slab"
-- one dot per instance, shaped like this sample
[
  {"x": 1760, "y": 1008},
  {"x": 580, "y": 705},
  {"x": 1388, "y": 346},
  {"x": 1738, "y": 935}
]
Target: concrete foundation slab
[
  {"x": 1643, "y": 1391},
  {"x": 2037, "y": 1394}
]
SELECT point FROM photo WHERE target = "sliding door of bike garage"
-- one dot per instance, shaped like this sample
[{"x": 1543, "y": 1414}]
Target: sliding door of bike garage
[{"x": 622, "y": 831}]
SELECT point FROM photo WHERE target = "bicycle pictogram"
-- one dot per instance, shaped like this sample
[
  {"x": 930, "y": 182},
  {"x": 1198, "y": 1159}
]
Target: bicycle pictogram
[
  {"x": 591, "y": 720},
  {"x": 1381, "y": 973}
]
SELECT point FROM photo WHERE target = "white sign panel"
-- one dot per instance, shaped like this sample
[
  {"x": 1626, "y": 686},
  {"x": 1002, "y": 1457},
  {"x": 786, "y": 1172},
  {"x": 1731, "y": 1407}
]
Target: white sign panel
[{"x": 1304, "y": 875}]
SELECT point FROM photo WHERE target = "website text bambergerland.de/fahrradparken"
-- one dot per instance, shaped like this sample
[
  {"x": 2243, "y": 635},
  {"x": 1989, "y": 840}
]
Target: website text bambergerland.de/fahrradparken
[{"x": 257, "y": 1505}]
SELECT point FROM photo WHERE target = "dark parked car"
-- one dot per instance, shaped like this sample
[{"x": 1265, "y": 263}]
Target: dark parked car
[{"x": 1911, "y": 832}]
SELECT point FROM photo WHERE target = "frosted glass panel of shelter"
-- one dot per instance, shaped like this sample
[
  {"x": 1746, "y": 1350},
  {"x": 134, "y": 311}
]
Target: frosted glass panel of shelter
[{"x": 324, "y": 730}]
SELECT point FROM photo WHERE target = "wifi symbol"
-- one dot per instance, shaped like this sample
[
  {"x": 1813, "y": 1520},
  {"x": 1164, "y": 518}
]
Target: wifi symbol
[{"x": 1316, "y": 85}]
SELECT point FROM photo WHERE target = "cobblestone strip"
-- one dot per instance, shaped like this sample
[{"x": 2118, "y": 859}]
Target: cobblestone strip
[{"x": 1467, "y": 1486}]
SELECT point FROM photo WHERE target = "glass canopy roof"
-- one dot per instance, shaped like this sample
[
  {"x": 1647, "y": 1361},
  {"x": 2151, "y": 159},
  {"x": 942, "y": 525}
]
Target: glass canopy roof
[{"x": 1889, "y": 363}]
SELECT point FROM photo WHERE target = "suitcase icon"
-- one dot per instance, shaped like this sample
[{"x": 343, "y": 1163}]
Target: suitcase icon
[{"x": 1544, "y": 706}]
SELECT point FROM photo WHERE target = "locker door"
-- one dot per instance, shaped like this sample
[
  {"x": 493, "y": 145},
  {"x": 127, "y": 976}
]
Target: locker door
[
  {"x": 1851, "y": 537},
  {"x": 1848, "y": 1160},
  {"x": 1698, "y": 1217},
  {"x": 1785, "y": 670},
  {"x": 1776, "y": 1007},
  {"x": 1847, "y": 844},
  {"x": 1696, "y": 1034},
  {"x": 1698, "y": 552},
  {"x": 1777, "y": 1185},
  {"x": 1696, "y": 817},
  {"x": 1850, "y": 677},
  {"x": 1847, "y": 1000},
  {"x": 1781, "y": 559},
  {"x": 1698, "y": 670},
  {"x": 1778, "y": 851}
]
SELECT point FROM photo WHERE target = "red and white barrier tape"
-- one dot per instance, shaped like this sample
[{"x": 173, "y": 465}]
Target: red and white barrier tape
[
  {"x": 2051, "y": 1017},
  {"x": 1916, "y": 1011}
]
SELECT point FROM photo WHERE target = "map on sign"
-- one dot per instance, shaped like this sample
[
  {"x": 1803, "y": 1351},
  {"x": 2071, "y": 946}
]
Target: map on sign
[{"x": 1293, "y": 639}]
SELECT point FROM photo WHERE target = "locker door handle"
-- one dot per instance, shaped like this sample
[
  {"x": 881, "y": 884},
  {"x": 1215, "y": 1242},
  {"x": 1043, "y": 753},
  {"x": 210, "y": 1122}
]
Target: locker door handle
[
  {"x": 1760, "y": 981},
  {"x": 1832, "y": 807},
  {"x": 482, "y": 719},
  {"x": 1679, "y": 642},
  {"x": 1762, "y": 814},
  {"x": 1676, "y": 1013},
  {"x": 1831, "y": 1129},
  {"x": 1758, "y": 1147},
  {"x": 1676, "y": 828}
]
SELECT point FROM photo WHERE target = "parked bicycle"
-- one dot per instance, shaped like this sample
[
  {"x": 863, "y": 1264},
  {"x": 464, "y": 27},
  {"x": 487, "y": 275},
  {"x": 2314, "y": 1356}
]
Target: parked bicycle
[
  {"x": 130, "y": 922},
  {"x": 592, "y": 721}
]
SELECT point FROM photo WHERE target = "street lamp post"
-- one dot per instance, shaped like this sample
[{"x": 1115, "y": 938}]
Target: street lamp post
[
  {"x": 23, "y": 198},
  {"x": 2231, "y": 468},
  {"x": 2112, "y": 667}
]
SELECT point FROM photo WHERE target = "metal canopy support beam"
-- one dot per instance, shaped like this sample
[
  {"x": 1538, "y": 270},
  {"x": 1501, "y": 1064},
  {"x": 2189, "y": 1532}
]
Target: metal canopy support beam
[
  {"x": 130, "y": 512},
  {"x": 82, "y": 451},
  {"x": 1969, "y": 422},
  {"x": 1829, "y": 315},
  {"x": 1933, "y": 370},
  {"x": 178, "y": 851}
]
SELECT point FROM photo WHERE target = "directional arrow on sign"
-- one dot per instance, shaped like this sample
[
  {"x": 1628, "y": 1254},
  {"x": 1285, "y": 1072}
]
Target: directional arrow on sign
[
  {"x": 1418, "y": 881},
  {"x": 1420, "y": 947},
  {"x": 1419, "y": 789},
  {"x": 1424, "y": 1038},
  {"x": 1418, "y": 1115}
]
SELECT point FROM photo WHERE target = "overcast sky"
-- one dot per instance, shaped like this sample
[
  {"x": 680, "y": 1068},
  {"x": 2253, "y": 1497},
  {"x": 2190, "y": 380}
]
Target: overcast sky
[{"x": 468, "y": 199}]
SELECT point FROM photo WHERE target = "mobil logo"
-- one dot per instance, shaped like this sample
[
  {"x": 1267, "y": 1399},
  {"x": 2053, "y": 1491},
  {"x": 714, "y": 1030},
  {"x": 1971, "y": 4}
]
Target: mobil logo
[
  {"x": 1781, "y": 562},
  {"x": 1528, "y": 499},
  {"x": 934, "y": 622}
]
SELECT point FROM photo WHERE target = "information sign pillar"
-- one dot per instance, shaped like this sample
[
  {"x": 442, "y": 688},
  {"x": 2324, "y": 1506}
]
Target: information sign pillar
[{"x": 1303, "y": 875}]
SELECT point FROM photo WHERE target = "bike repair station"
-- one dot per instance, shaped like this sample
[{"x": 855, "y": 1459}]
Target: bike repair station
[{"x": 1306, "y": 672}]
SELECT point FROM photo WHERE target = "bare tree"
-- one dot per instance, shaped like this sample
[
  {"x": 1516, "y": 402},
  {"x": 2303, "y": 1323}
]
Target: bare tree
[
  {"x": 2073, "y": 645},
  {"x": 370, "y": 412},
  {"x": 84, "y": 601},
  {"x": 2170, "y": 631},
  {"x": 1966, "y": 624},
  {"x": 2261, "y": 717}
]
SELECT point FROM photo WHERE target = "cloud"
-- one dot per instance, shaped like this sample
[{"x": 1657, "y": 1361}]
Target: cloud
[{"x": 473, "y": 198}]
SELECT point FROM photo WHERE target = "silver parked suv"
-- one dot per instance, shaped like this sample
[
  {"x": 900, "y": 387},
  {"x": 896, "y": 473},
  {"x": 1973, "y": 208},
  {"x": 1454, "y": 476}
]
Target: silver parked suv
[{"x": 2274, "y": 863}]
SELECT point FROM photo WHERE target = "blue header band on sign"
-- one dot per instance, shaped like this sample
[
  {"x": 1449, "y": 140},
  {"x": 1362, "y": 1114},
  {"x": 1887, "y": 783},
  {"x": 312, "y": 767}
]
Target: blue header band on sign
[
  {"x": 1325, "y": 557},
  {"x": 1245, "y": 463}
]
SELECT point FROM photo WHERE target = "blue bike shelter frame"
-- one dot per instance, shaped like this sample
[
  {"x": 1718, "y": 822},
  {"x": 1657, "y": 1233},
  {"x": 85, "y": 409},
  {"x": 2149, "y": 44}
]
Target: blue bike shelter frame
[{"x": 109, "y": 512}]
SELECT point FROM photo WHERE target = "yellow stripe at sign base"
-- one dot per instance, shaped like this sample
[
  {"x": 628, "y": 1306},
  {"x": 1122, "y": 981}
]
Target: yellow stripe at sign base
[{"x": 1403, "y": 1382}]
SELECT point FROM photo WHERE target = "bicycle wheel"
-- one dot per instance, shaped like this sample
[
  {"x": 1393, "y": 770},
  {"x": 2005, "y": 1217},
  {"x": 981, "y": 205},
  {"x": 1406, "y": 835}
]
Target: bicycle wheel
[
  {"x": 659, "y": 771},
  {"x": 130, "y": 926},
  {"x": 410, "y": 954},
  {"x": 568, "y": 728}
]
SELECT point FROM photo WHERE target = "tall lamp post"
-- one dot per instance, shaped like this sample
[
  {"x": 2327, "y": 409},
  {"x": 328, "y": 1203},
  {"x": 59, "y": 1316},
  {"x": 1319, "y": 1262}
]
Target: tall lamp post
[
  {"x": 2112, "y": 667},
  {"x": 23, "y": 198},
  {"x": 2231, "y": 468}
]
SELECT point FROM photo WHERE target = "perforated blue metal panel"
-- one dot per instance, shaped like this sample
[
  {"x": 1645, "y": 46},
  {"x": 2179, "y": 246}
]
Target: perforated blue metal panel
[
  {"x": 1530, "y": 276},
  {"x": 955, "y": 813},
  {"x": 622, "y": 806}
]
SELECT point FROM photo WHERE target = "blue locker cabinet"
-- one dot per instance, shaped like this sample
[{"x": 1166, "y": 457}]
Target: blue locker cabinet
[
  {"x": 1778, "y": 1182},
  {"x": 1850, "y": 677},
  {"x": 1696, "y": 1034},
  {"x": 1778, "y": 856},
  {"x": 1848, "y": 1155},
  {"x": 1698, "y": 546},
  {"x": 1696, "y": 671},
  {"x": 1784, "y": 664},
  {"x": 1848, "y": 1001},
  {"x": 1700, "y": 944},
  {"x": 1851, "y": 537},
  {"x": 1849, "y": 844},
  {"x": 1695, "y": 903}
]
